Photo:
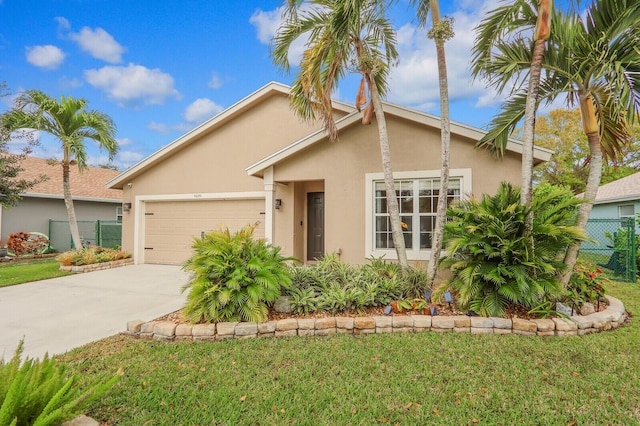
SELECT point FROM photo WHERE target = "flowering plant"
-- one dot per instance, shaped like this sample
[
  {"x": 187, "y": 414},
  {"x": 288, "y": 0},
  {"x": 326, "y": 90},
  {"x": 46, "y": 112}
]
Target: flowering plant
[{"x": 586, "y": 284}]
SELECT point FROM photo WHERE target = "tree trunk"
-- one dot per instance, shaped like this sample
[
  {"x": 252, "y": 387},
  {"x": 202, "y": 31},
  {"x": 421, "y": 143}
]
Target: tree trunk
[
  {"x": 392, "y": 201},
  {"x": 445, "y": 142},
  {"x": 593, "y": 180},
  {"x": 528, "y": 132},
  {"x": 68, "y": 202}
]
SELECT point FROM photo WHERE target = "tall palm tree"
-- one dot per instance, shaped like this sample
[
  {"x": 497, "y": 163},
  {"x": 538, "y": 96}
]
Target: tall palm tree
[
  {"x": 592, "y": 58},
  {"x": 70, "y": 122},
  {"x": 343, "y": 35},
  {"x": 440, "y": 32},
  {"x": 497, "y": 27}
]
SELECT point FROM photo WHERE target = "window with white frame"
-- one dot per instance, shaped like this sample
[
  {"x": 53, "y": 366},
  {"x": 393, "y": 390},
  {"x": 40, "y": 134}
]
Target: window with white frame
[
  {"x": 417, "y": 193},
  {"x": 418, "y": 204},
  {"x": 119, "y": 213},
  {"x": 626, "y": 211}
]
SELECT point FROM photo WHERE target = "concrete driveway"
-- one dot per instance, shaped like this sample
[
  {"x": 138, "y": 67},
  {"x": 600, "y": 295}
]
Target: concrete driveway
[{"x": 63, "y": 313}]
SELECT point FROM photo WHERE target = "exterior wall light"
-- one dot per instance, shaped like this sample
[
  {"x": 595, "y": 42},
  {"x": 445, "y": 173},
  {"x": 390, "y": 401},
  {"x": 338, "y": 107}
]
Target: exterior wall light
[{"x": 278, "y": 203}]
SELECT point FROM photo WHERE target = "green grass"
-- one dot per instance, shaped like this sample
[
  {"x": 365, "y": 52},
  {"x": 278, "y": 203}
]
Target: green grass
[
  {"x": 406, "y": 379},
  {"x": 18, "y": 273}
]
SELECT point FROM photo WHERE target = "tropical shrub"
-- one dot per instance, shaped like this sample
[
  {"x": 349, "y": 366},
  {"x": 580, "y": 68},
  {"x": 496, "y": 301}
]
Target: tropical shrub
[
  {"x": 587, "y": 284},
  {"x": 24, "y": 243},
  {"x": 234, "y": 278},
  {"x": 34, "y": 392},
  {"x": 333, "y": 286},
  {"x": 494, "y": 262},
  {"x": 91, "y": 255}
]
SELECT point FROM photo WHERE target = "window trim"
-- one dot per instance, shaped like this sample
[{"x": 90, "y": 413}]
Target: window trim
[
  {"x": 465, "y": 176},
  {"x": 621, "y": 216}
]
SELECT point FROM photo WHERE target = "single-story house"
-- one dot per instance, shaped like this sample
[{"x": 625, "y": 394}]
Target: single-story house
[
  {"x": 91, "y": 198},
  {"x": 618, "y": 199},
  {"x": 257, "y": 162}
]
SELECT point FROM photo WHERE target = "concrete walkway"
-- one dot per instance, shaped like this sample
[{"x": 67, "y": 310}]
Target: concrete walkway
[{"x": 63, "y": 313}]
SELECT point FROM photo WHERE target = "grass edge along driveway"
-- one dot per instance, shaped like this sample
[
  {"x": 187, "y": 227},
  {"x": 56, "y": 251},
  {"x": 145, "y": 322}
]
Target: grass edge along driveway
[{"x": 12, "y": 273}]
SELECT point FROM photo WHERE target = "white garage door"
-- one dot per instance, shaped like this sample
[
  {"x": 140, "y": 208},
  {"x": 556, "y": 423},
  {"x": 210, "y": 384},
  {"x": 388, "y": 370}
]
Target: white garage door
[{"x": 170, "y": 226}]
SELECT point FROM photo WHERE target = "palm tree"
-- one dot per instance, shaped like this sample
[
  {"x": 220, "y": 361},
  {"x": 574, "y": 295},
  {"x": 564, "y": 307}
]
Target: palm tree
[
  {"x": 70, "y": 122},
  {"x": 441, "y": 31},
  {"x": 594, "y": 60},
  {"x": 498, "y": 26},
  {"x": 343, "y": 35}
]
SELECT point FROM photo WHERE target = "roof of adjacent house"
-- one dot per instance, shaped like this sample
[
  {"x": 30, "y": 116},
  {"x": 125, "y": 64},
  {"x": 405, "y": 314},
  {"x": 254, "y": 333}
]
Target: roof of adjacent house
[
  {"x": 88, "y": 185},
  {"x": 540, "y": 154},
  {"x": 624, "y": 189}
]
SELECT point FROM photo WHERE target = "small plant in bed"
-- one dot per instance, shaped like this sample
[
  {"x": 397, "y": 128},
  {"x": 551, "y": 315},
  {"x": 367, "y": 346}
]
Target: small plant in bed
[{"x": 91, "y": 255}]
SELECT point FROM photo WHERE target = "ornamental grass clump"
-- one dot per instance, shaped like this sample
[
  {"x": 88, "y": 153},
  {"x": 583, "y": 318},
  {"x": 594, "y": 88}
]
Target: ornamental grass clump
[
  {"x": 494, "y": 262},
  {"x": 235, "y": 277}
]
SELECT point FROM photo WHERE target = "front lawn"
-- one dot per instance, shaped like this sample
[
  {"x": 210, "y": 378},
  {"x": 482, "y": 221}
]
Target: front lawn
[
  {"x": 422, "y": 378},
  {"x": 17, "y": 273}
]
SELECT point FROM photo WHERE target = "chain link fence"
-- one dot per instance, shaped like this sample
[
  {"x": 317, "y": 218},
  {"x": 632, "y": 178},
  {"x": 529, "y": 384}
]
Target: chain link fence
[
  {"x": 104, "y": 233},
  {"x": 613, "y": 247}
]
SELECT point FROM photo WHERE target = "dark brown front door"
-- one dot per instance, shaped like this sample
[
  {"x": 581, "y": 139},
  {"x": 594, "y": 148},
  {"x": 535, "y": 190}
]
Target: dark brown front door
[{"x": 315, "y": 225}]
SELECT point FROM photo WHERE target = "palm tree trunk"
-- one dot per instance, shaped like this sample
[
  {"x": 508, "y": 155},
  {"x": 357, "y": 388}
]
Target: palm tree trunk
[
  {"x": 392, "y": 201},
  {"x": 445, "y": 142},
  {"x": 528, "y": 133},
  {"x": 593, "y": 180},
  {"x": 68, "y": 202}
]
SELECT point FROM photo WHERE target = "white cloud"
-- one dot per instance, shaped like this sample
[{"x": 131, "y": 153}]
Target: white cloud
[
  {"x": 124, "y": 141},
  {"x": 69, "y": 83},
  {"x": 99, "y": 43},
  {"x": 267, "y": 24},
  {"x": 133, "y": 84},
  {"x": 126, "y": 159},
  {"x": 158, "y": 127},
  {"x": 200, "y": 110},
  {"x": 63, "y": 23},
  {"x": 215, "y": 82},
  {"x": 46, "y": 56}
]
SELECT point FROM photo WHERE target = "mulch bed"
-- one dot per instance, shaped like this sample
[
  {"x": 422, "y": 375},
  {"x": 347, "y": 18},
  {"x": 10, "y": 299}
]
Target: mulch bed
[{"x": 443, "y": 310}]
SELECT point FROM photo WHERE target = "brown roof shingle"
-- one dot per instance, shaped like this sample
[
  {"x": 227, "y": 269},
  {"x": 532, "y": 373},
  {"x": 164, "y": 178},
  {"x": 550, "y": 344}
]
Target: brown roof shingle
[
  {"x": 90, "y": 183},
  {"x": 624, "y": 188}
]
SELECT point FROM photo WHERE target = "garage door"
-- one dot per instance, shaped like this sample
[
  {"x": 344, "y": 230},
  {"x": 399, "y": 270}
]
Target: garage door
[{"x": 171, "y": 226}]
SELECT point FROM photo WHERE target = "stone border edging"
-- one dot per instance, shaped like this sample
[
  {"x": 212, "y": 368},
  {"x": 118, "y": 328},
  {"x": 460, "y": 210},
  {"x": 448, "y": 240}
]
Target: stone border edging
[
  {"x": 97, "y": 266},
  {"x": 610, "y": 318}
]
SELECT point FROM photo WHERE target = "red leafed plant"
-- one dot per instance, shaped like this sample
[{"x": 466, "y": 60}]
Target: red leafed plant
[{"x": 24, "y": 243}]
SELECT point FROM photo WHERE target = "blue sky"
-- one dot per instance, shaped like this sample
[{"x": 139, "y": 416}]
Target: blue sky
[{"x": 159, "y": 68}]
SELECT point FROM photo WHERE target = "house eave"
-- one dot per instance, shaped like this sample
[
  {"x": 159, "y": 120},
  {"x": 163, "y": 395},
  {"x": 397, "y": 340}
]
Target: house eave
[
  {"x": 74, "y": 197},
  {"x": 218, "y": 120},
  {"x": 513, "y": 145},
  {"x": 619, "y": 199}
]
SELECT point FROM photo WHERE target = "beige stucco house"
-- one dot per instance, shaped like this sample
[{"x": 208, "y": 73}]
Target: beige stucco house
[{"x": 257, "y": 162}]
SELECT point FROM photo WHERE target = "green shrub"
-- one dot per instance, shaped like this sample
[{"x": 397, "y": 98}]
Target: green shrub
[
  {"x": 91, "y": 255},
  {"x": 234, "y": 277},
  {"x": 587, "y": 284},
  {"x": 333, "y": 286},
  {"x": 39, "y": 393},
  {"x": 492, "y": 260}
]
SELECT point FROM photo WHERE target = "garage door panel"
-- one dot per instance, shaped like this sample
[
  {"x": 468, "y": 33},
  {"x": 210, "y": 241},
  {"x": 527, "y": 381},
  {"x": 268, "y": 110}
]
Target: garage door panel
[{"x": 171, "y": 226}]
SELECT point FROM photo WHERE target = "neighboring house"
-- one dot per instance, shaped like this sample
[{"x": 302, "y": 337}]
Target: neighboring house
[
  {"x": 257, "y": 162},
  {"x": 618, "y": 199},
  {"x": 91, "y": 198}
]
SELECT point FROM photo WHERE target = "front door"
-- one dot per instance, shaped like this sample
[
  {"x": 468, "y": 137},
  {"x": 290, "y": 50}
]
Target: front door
[{"x": 315, "y": 225}]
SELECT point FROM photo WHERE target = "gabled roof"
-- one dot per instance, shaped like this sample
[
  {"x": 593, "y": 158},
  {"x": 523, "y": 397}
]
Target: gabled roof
[
  {"x": 88, "y": 185},
  {"x": 260, "y": 95},
  {"x": 514, "y": 145},
  {"x": 624, "y": 189}
]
